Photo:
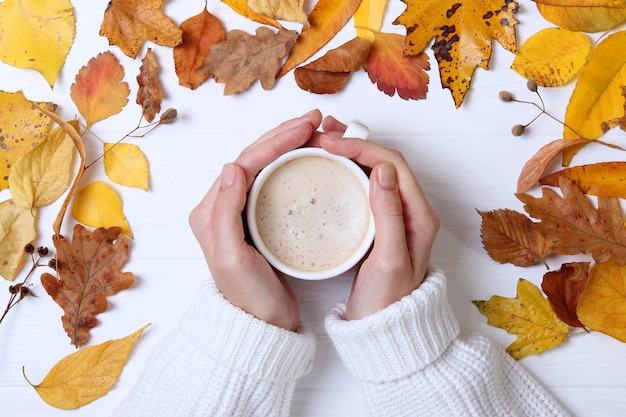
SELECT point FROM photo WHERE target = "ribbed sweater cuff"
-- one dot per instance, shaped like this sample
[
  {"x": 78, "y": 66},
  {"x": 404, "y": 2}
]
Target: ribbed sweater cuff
[
  {"x": 252, "y": 346},
  {"x": 399, "y": 340}
]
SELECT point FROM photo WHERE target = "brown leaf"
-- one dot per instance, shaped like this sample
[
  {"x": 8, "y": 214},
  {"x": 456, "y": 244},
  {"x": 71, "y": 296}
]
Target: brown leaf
[
  {"x": 241, "y": 58},
  {"x": 329, "y": 74},
  {"x": 563, "y": 289},
  {"x": 149, "y": 94},
  {"x": 576, "y": 226},
  {"x": 200, "y": 32},
  {"x": 89, "y": 271},
  {"x": 129, "y": 23},
  {"x": 509, "y": 236}
]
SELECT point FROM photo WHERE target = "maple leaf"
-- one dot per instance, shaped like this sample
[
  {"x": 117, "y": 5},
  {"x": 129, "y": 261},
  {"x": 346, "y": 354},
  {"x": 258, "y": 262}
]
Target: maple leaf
[
  {"x": 149, "y": 94},
  {"x": 200, "y": 32},
  {"x": 509, "y": 236},
  {"x": 129, "y": 23},
  {"x": 392, "y": 72},
  {"x": 583, "y": 15},
  {"x": 329, "y": 73},
  {"x": 563, "y": 289},
  {"x": 599, "y": 179},
  {"x": 576, "y": 226},
  {"x": 463, "y": 32},
  {"x": 89, "y": 271},
  {"x": 99, "y": 90},
  {"x": 529, "y": 316},
  {"x": 241, "y": 58}
]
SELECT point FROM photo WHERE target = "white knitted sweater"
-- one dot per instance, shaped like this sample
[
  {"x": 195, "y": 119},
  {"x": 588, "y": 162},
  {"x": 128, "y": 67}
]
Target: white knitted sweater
[{"x": 410, "y": 359}]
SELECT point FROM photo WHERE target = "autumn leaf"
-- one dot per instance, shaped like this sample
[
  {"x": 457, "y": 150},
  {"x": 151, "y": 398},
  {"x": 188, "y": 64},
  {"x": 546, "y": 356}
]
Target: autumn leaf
[
  {"x": 289, "y": 10},
  {"x": 463, "y": 33},
  {"x": 149, "y": 94},
  {"x": 200, "y": 32},
  {"x": 17, "y": 229},
  {"x": 329, "y": 73},
  {"x": 129, "y": 23},
  {"x": 242, "y": 8},
  {"x": 37, "y": 35},
  {"x": 368, "y": 18},
  {"x": 552, "y": 57},
  {"x": 583, "y": 15},
  {"x": 528, "y": 316},
  {"x": 22, "y": 127},
  {"x": 87, "y": 374},
  {"x": 576, "y": 226},
  {"x": 618, "y": 121},
  {"x": 99, "y": 90},
  {"x": 392, "y": 72},
  {"x": 325, "y": 20},
  {"x": 126, "y": 164},
  {"x": 98, "y": 205},
  {"x": 88, "y": 268},
  {"x": 607, "y": 179},
  {"x": 241, "y": 58},
  {"x": 563, "y": 289},
  {"x": 602, "y": 305},
  {"x": 509, "y": 236},
  {"x": 42, "y": 175}
]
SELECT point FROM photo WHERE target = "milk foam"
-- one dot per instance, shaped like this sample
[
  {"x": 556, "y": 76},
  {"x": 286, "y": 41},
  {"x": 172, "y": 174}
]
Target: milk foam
[{"x": 312, "y": 213}]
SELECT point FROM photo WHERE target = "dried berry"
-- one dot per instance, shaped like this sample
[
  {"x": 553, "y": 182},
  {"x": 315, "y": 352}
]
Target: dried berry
[
  {"x": 518, "y": 130},
  {"x": 532, "y": 85},
  {"x": 506, "y": 96},
  {"x": 52, "y": 263},
  {"x": 42, "y": 251},
  {"x": 30, "y": 248}
]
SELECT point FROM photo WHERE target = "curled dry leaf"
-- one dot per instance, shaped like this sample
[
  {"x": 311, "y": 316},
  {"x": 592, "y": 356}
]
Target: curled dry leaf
[
  {"x": 330, "y": 73},
  {"x": 98, "y": 205},
  {"x": 88, "y": 271},
  {"x": 563, "y": 289},
  {"x": 509, "y": 236},
  {"x": 149, "y": 94},
  {"x": 289, "y": 10},
  {"x": 583, "y": 15},
  {"x": 529, "y": 316},
  {"x": 601, "y": 179},
  {"x": 17, "y": 229},
  {"x": 87, "y": 374},
  {"x": 126, "y": 164}
]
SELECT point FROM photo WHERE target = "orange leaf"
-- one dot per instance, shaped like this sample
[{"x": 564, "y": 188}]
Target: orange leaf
[
  {"x": 149, "y": 94},
  {"x": 563, "y": 289},
  {"x": 509, "y": 236},
  {"x": 99, "y": 91},
  {"x": 391, "y": 71},
  {"x": 200, "y": 32},
  {"x": 329, "y": 74},
  {"x": 325, "y": 20},
  {"x": 129, "y": 23},
  {"x": 605, "y": 179},
  {"x": 89, "y": 271}
]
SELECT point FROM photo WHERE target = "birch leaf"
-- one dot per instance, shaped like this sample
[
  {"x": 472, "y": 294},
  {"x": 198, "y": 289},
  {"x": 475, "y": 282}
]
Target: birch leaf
[
  {"x": 368, "y": 18},
  {"x": 126, "y": 164},
  {"x": 17, "y": 229},
  {"x": 98, "y": 205},
  {"x": 87, "y": 374},
  {"x": 583, "y": 15}
]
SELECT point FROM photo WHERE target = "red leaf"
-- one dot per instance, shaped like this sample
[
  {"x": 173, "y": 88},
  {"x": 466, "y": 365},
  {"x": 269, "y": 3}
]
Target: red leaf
[{"x": 563, "y": 289}]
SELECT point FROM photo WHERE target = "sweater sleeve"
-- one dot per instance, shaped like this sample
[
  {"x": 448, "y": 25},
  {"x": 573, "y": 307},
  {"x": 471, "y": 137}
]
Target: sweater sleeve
[
  {"x": 411, "y": 359},
  {"x": 221, "y": 361}
]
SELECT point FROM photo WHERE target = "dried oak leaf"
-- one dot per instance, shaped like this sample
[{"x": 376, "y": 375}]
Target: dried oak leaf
[
  {"x": 463, "y": 32},
  {"x": 576, "y": 226},
  {"x": 509, "y": 236},
  {"x": 89, "y": 271},
  {"x": 563, "y": 289},
  {"x": 330, "y": 73},
  {"x": 129, "y": 23},
  {"x": 241, "y": 58},
  {"x": 200, "y": 32},
  {"x": 149, "y": 94}
]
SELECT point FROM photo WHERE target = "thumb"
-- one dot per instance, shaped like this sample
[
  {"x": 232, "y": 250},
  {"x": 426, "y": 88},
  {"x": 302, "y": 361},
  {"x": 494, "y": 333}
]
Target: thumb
[{"x": 229, "y": 203}]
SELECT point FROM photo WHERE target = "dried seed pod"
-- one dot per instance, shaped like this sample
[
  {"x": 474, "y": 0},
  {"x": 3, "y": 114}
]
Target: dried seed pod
[
  {"x": 505, "y": 96},
  {"x": 168, "y": 116},
  {"x": 518, "y": 130},
  {"x": 30, "y": 248},
  {"x": 532, "y": 85}
]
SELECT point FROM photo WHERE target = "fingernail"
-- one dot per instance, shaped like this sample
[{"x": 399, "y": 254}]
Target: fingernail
[
  {"x": 387, "y": 176},
  {"x": 228, "y": 176},
  {"x": 308, "y": 113}
]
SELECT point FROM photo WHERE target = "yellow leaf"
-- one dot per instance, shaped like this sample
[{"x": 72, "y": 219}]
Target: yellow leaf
[
  {"x": 22, "y": 127},
  {"x": 325, "y": 20},
  {"x": 37, "y": 34},
  {"x": 529, "y": 316},
  {"x": 289, "y": 10},
  {"x": 17, "y": 229},
  {"x": 602, "y": 304},
  {"x": 552, "y": 57},
  {"x": 98, "y": 205},
  {"x": 126, "y": 164},
  {"x": 583, "y": 15},
  {"x": 87, "y": 374},
  {"x": 43, "y": 174},
  {"x": 597, "y": 96},
  {"x": 241, "y": 7},
  {"x": 368, "y": 18},
  {"x": 604, "y": 179}
]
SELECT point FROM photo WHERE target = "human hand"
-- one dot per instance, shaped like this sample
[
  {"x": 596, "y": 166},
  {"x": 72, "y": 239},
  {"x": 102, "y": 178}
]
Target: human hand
[
  {"x": 406, "y": 225},
  {"x": 242, "y": 275}
]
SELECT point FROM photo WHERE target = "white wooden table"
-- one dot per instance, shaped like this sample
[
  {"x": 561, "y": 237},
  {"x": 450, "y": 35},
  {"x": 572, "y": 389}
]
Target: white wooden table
[{"x": 466, "y": 159}]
